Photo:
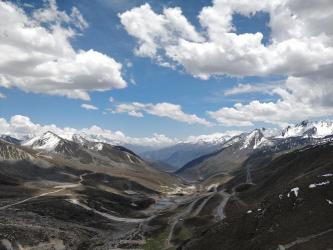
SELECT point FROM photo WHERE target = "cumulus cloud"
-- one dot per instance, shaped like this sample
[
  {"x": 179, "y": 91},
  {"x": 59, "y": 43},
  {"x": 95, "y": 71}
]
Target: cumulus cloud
[
  {"x": 153, "y": 30},
  {"x": 300, "y": 50},
  {"x": 37, "y": 56},
  {"x": 22, "y": 127},
  {"x": 299, "y": 98},
  {"x": 163, "y": 109},
  {"x": 88, "y": 106},
  {"x": 301, "y": 38}
]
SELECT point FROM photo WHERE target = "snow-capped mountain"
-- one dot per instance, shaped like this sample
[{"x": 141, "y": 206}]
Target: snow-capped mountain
[
  {"x": 234, "y": 152},
  {"x": 228, "y": 157},
  {"x": 98, "y": 138},
  {"x": 214, "y": 139},
  {"x": 308, "y": 129},
  {"x": 250, "y": 141},
  {"x": 47, "y": 141},
  {"x": 95, "y": 146},
  {"x": 177, "y": 155},
  {"x": 81, "y": 149}
]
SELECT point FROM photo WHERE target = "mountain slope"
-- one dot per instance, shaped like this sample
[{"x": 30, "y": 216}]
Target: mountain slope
[
  {"x": 50, "y": 200},
  {"x": 80, "y": 153},
  {"x": 232, "y": 155},
  {"x": 237, "y": 150},
  {"x": 317, "y": 129},
  {"x": 290, "y": 206},
  {"x": 10, "y": 139},
  {"x": 9, "y": 151},
  {"x": 179, "y": 154}
]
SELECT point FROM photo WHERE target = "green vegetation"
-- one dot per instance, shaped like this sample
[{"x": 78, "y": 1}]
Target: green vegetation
[
  {"x": 156, "y": 243},
  {"x": 184, "y": 233}
]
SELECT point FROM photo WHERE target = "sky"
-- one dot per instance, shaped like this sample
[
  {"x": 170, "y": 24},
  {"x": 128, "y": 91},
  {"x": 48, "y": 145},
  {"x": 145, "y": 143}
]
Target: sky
[{"x": 152, "y": 71}]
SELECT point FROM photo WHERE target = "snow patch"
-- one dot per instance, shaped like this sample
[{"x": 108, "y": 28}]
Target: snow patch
[
  {"x": 314, "y": 185},
  {"x": 47, "y": 141},
  {"x": 214, "y": 185},
  {"x": 129, "y": 158},
  {"x": 308, "y": 130},
  {"x": 98, "y": 146},
  {"x": 216, "y": 139},
  {"x": 294, "y": 190},
  {"x": 329, "y": 202}
]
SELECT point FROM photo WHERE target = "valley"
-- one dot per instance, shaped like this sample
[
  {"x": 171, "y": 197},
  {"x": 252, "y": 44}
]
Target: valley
[
  {"x": 57, "y": 193},
  {"x": 166, "y": 125}
]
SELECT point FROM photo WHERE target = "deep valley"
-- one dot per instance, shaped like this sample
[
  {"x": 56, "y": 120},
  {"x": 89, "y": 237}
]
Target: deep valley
[{"x": 79, "y": 194}]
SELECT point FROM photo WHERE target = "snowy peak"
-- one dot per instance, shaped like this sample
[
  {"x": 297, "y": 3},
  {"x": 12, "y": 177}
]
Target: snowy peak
[
  {"x": 249, "y": 141},
  {"x": 253, "y": 139},
  {"x": 98, "y": 138},
  {"x": 95, "y": 146},
  {"x": 308, "y": 129},
  {"x": 79, "y": 139},
  {"x": 215, "y": 139},
  {"x": 47, "y": 141}
]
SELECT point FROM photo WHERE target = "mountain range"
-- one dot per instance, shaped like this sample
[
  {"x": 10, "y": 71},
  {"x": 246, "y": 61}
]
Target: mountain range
[
  {"x": 174, "y": 157},
  {"x": 259, "y": 190},
  {"x": 234, "y": 152}
]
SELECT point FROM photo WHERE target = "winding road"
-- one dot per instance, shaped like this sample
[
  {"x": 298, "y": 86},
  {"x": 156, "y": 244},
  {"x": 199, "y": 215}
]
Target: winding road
[
  {"x": 182, "y": 215},
  {"x": 60, "y": 188},
  {"x": 106, "y": 215},
  {"x": 78, "y": 203},
  {"x": 220, "y": 208}
]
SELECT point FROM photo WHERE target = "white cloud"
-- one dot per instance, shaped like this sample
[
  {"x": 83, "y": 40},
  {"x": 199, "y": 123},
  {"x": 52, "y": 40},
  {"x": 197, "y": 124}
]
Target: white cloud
[
  {"x": 301, "y": 38},
  {"x": 299, "y": 99},
  {"x": 36, "y": 54},
  {"x": 300, "y": 50},
  {"x": 164, "y": 109},
  {"x": 88, "y": 106},
  {"x": 245, "y": 88},
  {"x": 2, "y": 96},
  {"x": 153, "y": 30},
  {"x": 132, "y": 80},
  {"x": 21, "y": 126}
]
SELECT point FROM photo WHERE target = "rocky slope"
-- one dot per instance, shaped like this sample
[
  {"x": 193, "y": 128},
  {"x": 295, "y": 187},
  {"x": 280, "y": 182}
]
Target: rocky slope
[
  {"x": 83, "y": 154},
  {"x": 51, "y": 197},
  {"x": 177, "y": 155},
  {"x": 288, "y": 206},
  {"x": 234, "y": 153},
  {"x": 231, "y": 156}
]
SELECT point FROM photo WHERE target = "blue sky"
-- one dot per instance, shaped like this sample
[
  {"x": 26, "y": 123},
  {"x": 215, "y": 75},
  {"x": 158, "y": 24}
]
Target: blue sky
[{"x": 150, "y": 83}]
